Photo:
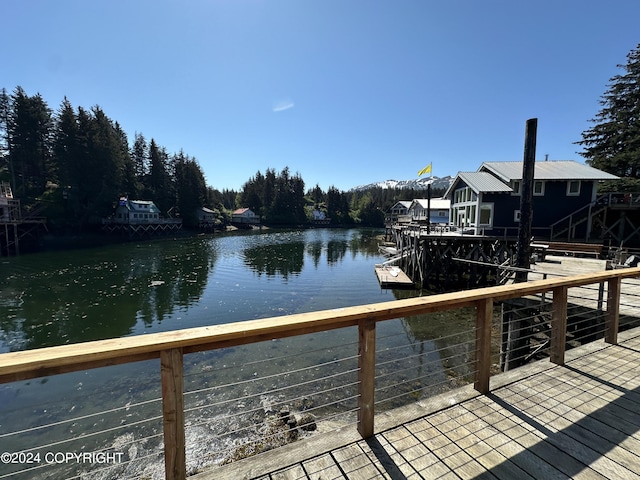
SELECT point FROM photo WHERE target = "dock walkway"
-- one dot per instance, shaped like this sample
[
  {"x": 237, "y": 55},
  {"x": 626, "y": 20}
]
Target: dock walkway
[{"x": 580, "y": 420}]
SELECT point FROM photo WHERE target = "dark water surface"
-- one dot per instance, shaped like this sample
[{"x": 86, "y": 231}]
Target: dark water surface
[{"x": 60, "y": 298}]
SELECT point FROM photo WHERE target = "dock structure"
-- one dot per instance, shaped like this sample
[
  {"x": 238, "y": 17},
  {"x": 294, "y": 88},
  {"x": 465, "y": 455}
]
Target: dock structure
[
  {"x": 391, "y": 276},
  {"x": 444, "y": 260},
  {"x": 15, "y": 226},
  {"x": 163, "y": 226}
]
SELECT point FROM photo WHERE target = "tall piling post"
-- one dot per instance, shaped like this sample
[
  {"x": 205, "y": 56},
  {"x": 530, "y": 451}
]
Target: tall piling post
[
  {"x": 516, "y": 324},
  {"x": 526, "y": 199}
]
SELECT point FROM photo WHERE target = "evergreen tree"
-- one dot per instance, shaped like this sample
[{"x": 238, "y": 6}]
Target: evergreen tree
[
  {"x": 613, "y": 143},
  {"x": 159, "y": 184},
  {"x": 139, "y": 155},
  {"x": 104, "y": 162},
  {"x": 190, "y": 186},
  {"x": 282, "y": 200},
  {"x": 29, "y": 128},
  {"x": 129, "y": 178},
  {"x": 268, "y": 193},
  {"x": 67, "y": 155},
  {"x": 252, "y": 194},
  {"x": 337, "y": 206},
  {"x": 229, "y": 199},
  {"x": 65, "y": 145},
  {"x": 317, "y": 195},
  {"x": 5, "y": 171},
  {"x": 298, "y": 201}
]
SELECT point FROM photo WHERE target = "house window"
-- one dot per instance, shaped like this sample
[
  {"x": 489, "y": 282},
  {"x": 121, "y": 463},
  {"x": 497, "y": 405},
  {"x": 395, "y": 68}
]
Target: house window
[
  {"x": 515, "y": 186},
  {"x": 516, "y": 215},
  {"x": 538, "y": 187},
  {"x": 573, "y": 188},
  {"x": 486, "y": 214},
  {"x": 464, "y": 195}
]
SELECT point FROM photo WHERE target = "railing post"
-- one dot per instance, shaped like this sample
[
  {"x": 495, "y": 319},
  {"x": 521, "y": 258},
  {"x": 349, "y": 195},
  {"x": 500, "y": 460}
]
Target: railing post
[
  {"x": 559, "y": 325},
  {"x": 612, "y": 319},
  {"x": 484, "y": 318},
  {"x": 171, "y": 367},
  {"x": 366, "y": 376}
]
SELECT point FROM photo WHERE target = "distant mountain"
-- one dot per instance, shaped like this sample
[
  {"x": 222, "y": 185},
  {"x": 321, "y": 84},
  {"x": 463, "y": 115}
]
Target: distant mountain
[{"x": 417, "y": 184}]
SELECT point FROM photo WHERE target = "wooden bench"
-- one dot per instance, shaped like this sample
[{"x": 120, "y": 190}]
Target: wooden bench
[{"x": 575, "y": 249}]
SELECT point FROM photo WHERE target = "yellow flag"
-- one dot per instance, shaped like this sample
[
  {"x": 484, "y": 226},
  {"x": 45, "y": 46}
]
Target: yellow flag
[{"x": 426, "y": 169}]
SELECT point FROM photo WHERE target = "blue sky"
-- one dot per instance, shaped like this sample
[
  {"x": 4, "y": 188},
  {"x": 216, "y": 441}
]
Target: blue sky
[{"x": 345, "y": 92}]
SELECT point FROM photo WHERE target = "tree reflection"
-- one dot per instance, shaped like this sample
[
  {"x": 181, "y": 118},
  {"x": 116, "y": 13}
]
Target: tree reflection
[
  {"x": 279, "y": 259},
  {"x": 336, "y": 250},
  {"x": 86, "y": 295}
]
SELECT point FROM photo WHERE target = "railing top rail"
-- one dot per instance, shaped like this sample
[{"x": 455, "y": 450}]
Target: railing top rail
[{"x": 22, "y": 365}]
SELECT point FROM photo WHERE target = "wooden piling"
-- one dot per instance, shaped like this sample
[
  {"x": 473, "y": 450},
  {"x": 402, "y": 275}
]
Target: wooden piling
[
  {"x": 517, "y": 327},
  {"x": 526, "y": 199}
]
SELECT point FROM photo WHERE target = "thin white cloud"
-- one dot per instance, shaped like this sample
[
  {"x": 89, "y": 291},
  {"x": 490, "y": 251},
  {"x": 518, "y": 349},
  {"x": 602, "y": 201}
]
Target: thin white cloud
[{"x": 284, "y": 104}]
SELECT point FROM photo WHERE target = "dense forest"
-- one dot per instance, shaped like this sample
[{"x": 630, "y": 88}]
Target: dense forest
[{"x": 71, "y": 166}]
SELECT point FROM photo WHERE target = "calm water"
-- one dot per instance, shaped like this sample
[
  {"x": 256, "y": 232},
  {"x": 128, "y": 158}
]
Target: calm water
[
  {"x": 136, "y": 288},
  {"x": 69, "y": 297}
]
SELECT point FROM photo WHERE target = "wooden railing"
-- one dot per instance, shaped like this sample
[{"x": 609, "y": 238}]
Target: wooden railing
[{"x": 170, "y": 347}]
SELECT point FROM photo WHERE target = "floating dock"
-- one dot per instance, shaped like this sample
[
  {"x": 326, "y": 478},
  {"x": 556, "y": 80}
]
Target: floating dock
[{"x": 391, "y": 276}]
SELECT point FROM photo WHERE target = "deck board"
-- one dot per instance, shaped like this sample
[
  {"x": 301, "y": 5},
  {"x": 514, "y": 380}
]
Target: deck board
[
  {"x": 323, "y": 468},
  {"x": 578, "y": 421}
]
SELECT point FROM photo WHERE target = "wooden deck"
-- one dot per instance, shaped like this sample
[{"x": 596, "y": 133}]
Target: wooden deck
[{"x": 580, "y": 420}]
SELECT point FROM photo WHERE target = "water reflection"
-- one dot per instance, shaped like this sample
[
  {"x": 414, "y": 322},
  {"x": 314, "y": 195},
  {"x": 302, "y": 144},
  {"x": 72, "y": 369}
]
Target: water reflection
[
  {"x": 314, "y": 250},
  {"x": 450, "y": 333},
  {"x": 280, "y": 259},
  {"x": 336, "y": 250},
  {"x": 57, "y": 298}
]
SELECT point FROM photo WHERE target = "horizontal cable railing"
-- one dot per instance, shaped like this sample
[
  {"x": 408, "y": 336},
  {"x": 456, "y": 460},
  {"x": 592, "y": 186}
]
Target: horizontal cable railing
[{"x": 248, "y": 408}]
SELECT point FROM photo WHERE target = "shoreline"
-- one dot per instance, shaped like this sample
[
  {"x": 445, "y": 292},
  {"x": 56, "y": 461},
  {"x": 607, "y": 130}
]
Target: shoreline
[{"x": 60, "y": 242}]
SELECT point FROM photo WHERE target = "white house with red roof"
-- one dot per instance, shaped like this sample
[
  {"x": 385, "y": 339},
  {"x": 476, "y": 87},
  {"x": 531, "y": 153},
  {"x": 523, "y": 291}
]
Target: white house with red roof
[{"x": 244, "y": 215}]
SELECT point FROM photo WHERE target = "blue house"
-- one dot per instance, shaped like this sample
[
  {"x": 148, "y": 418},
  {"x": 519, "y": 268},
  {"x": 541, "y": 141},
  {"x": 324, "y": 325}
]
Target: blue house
[{"x": 488, "y": 201}]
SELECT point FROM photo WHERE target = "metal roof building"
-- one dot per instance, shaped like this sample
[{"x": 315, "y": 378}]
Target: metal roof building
[
  {"x": 479, "y": 182},
  {"x": 547, "y": 170}
]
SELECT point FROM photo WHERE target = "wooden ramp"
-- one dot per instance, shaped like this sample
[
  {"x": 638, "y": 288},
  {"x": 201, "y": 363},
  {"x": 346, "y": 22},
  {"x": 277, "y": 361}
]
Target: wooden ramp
[{"x": 391, "y": 276}]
